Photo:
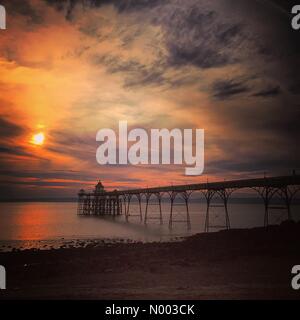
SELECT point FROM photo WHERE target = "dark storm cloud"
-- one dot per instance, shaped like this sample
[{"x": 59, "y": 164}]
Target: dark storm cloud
[
  {"x": 76, "y": 151},
  {"x": 146, "y": 78},
  {"x": 66, "y": 174},
  {"x": 278, "y": 120},
  {"x": 121, "y": 5},
  {"x": 131, "y": 5},
  {"x": 271, "y": 92},
  {"x": 23, "y": 8},
  {"x": 295, "y": 88},
  {"x": 114, "y": 64},
  {"x": 271, "y": 144},
  {"x": 9, "y": 129},
  {"x": 16, "y": 151},
  {"x": 41, "y": 183},
  {"x": 137, "y": 74},
  {"x": 197, "y": 37},
  {"x": 254, "y": 165},
  {"x": 194, "y": 35},
  {"x": 270, "y": 149},
  {"x": 284, "y": 122},
  {"x": 286, "y": 5},
  {"x": 224, "y": 89},
  {"x": 134, "y": 71},
  {"x": 81, "y": 147}
]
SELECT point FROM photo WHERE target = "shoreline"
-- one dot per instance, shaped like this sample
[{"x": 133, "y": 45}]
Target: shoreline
[
  {"x": 7, "y": 246},
  {"x": 236, "y": 264}
]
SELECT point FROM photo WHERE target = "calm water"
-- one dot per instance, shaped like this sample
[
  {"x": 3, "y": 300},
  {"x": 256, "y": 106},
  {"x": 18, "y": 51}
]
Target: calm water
[{"x": 24, "y": 225}]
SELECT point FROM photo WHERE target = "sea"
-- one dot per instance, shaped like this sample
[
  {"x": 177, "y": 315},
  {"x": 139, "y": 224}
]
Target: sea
[{"x": 51, "y": 225}]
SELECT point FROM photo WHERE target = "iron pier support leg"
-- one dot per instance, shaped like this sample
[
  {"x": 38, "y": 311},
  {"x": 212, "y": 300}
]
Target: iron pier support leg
[
  {"x": 288, "y": 199},
  {"x": 172, "y": 198},
  {"x": 206, "y": 227},
  {"x": 114, "y": 206},
  {"x": 124, "y": 201},
  {"x": 98, "y": 205},
  {"x": 266, "y": 202},
  {"x": 266, "y": 194},
  {"x": 128, "y": 208},
  {"x": 227, "y": 215},
  {"x": 80, "y": 204},
  {"x": 118, "y": 206},
  {"x": 187, "y": 214},
  {"x": 102, "y": 205},
  {"x": 84, "y": 205},
  {"x": 146, "y": 209},
  {"x": 186, "y": 196},
  {"x": 225, "y": 194},
  {"x": 140, "y": 207},
  {"x": 94, "y": 205},
  {"x": 89, "y": 204},
  {"x": 160, "y": 211},
  {"x": 208, "y": 196}
]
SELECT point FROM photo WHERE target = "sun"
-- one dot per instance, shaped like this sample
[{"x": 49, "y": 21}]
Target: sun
[{"x": 38, "y": 139}]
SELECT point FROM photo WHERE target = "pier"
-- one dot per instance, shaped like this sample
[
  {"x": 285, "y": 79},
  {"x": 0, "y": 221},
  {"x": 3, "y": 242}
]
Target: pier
[{"x": 117, "y": 202}]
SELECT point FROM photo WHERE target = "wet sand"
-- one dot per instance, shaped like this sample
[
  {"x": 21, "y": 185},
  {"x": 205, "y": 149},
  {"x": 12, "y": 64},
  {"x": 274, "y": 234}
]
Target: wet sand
[{"x": 236, "y": 264}]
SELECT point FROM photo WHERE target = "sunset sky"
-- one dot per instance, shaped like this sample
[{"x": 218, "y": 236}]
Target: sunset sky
[{"x": 70, "y": 68}]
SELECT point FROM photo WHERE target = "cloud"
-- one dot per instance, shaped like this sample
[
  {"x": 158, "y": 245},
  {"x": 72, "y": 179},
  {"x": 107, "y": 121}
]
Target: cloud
[
  {"x": 271, "y": 92},
  {"x": 23, "y": 8},
  {"x": 134, "y": 72},
  {"x": 9, "y": 129},
  {"x": 68, "y": 6},
  {"x": 200, "y": 37},
  {"x": 225, "y": 89}
]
